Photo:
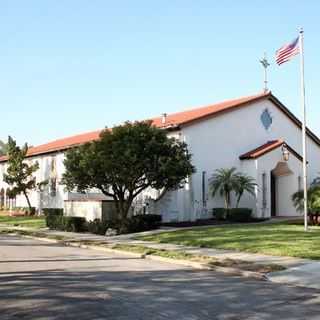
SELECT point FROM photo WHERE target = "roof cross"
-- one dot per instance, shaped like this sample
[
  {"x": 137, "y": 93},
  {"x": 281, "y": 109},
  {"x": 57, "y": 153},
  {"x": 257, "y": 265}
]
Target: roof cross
[{"x": 265, "y": 65}]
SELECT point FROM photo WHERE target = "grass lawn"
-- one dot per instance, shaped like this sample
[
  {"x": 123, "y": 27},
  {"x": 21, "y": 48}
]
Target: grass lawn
[
  {"x": 32, "y": 222},
  {"x": 282, "y": 239}
]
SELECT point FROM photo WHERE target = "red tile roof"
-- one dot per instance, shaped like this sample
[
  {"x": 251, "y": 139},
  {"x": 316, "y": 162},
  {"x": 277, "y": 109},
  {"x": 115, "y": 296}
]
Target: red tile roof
[
  {"x": 184, "y": 117},
  {"x": 267, "y": 147},
  {"x": 261, "y": 150},
  {"x": 61, "y": 144},
  {"x": 172, "y": 120}
]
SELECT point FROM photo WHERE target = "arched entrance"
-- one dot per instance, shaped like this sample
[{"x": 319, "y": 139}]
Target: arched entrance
[{"x": 278, "y": 181}]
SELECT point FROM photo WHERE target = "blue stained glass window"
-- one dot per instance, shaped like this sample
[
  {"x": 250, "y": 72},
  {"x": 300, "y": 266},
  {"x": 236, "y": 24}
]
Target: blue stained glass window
[{"x": 266, "y": 119}]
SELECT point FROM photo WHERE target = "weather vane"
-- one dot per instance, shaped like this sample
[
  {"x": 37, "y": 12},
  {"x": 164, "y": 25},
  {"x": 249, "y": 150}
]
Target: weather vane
[{"x": 265, "y": 65}]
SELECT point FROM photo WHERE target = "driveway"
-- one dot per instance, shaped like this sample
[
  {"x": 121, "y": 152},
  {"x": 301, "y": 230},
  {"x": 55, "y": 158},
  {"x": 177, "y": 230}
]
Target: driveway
[{"x": 47, "y": 281}]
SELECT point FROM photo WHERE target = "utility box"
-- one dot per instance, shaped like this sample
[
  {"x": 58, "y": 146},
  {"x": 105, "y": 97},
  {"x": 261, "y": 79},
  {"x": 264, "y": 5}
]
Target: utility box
[{"x": 90, "y": 209}]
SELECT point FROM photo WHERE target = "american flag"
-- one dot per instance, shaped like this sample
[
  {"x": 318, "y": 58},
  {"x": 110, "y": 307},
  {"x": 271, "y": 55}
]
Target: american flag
[{"x": 288, "y": 51}]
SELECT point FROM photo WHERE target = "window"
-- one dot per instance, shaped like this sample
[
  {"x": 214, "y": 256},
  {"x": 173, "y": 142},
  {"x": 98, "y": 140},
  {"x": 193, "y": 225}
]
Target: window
[
  {"x": 7, "y": 204},
  {"x": 266, "y": 119},
  {"x": 53, "y": 187},
  {"x": 2, "y": 198},
  {"x": 53, "y": 178},
  {"x": 204, "y": 198}
]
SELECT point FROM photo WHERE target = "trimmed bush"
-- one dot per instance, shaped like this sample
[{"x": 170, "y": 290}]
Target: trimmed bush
[
  {"x": 52, "y": 211},
  {"x": 62, "y": 223},
  {"x": 239, "y": 214},
  {"x": 138, "y": 223},
  {"x": 219, "y": 213},
  {"x": 133, "y": 224},
  {"x": 100, "y": 227},
  {"x": 53, "y": 221},
  {"x": 56, "y": 221}
]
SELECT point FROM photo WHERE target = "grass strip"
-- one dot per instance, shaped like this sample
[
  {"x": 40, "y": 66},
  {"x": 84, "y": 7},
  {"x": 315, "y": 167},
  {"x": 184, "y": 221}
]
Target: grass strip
[
  {"x": 171, "y": 254},
  {"x": 181, "y": 255}
]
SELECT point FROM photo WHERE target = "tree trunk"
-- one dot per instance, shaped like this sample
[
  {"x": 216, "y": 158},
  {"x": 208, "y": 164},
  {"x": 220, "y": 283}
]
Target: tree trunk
[
  {"x": 123, "y": 208},
  {"x": 28, "y": 201},
  {"x": 239, "y": 198},
  {"x": 227, "y": 200},
  {"x": 227, "y": 203}
]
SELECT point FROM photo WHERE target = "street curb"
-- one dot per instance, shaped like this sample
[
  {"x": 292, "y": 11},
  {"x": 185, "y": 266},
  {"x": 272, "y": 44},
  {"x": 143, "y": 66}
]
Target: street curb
[
  {"x": 35, "y": 238},
  {"x": 187, "y": 263},
  {"x": 243, "y": 273},
  {"x": 104, "y": 249},
  {"x": 205, "y": 266},
  {"x": 195, "y": 265}
]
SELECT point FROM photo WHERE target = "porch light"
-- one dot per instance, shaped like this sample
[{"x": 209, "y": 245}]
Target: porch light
[{"x": 285, "y": 152}]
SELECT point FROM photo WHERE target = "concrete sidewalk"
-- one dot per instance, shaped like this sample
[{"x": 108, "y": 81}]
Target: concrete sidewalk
[{"x": 300, "y": 272}]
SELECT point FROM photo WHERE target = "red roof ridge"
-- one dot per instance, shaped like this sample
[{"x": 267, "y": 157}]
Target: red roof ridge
[
  {"x": 172, "y": 120},
  {"x": 61, "y": 144},
  {"x": 267, "y": 147},
  {"x": 192, "y": 114}
]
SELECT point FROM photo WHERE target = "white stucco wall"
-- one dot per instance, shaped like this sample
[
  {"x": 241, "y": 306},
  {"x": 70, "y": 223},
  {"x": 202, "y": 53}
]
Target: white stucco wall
[
  {"x": 90, "y": 210},
  {"x": 44, "y": 173},
  {"x": 214, "y": 143},
  {"x": 218, "y": 142},
  {"x": 285, "y": 185}
]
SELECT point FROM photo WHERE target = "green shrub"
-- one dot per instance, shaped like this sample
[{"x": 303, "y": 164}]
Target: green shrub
[
  {"x": 100, "y": 227},
  {"x": 219, "y": 213},
  {"x": 52, "y": 211},
  {"x": 139, "y": 223},
  {"x": 75, "y": 224},
  {"x": 133, "y": 224},
  {"x": 239, "y": 214},
  {"x": 53, "y": 221},
  {"x": 62, "y": 223}
]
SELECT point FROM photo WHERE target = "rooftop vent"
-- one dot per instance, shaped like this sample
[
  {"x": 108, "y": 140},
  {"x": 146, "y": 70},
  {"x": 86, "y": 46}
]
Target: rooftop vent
[{"x": 164, "y": 118}]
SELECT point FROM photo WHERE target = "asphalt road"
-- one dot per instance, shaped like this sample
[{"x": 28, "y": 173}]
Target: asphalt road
[{"x": 39, "y": 280}]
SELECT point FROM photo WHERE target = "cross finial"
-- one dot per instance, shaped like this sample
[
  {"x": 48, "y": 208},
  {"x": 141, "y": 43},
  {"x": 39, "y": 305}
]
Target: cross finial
[{"x": 265, "y": 65}]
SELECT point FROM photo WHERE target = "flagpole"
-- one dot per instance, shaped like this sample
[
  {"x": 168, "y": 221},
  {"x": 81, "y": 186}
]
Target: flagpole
[{"x": 304, "y": 151}]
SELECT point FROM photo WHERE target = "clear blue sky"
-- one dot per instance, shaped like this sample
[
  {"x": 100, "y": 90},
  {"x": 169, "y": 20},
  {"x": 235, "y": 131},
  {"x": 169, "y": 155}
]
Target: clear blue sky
[{"x": 73, "y": 66}]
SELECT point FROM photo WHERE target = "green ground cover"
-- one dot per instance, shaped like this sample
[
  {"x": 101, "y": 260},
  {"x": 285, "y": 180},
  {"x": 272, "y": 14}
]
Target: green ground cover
[
  {"x": 24, "y": 221},
  {"x": 282, "y": 239}
]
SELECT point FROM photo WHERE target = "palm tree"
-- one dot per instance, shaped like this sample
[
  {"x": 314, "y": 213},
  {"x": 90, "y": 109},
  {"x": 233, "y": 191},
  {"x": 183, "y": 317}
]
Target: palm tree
[
  {"x": 313, "y": 196},
  {"x": 244, "y": 183},
  {"x": 224, "y": 181}
]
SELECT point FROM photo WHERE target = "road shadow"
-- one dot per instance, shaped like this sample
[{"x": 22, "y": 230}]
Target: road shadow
[{"x": 147, "y": 295}]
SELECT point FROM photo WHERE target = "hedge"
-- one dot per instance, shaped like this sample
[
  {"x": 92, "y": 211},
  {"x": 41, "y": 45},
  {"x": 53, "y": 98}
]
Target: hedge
[
  {"x": 239, "y": 214},
  {"x": 219, "y": 213},
  {"x": 62, "y": 223},
  {"x": 56, "y": 221},
  {"x": 54, "y": 211},
  {"x": 133, "y": 224},
  {"x": 233, "y": 214}
]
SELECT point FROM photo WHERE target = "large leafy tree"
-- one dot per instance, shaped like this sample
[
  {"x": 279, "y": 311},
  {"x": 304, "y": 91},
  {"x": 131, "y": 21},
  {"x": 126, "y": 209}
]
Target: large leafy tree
[
  {"x": 127, "y": 160},
  {"x": 20, "y": 173}
]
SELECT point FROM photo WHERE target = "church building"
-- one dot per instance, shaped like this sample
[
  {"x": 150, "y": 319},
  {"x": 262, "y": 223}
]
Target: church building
[{"x": 256, "y": 134}]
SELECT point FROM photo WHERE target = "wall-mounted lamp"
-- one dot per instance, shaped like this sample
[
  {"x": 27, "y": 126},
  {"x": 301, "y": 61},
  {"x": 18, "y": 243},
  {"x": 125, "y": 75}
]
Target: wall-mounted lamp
[{"x": 285, "y": 152}]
